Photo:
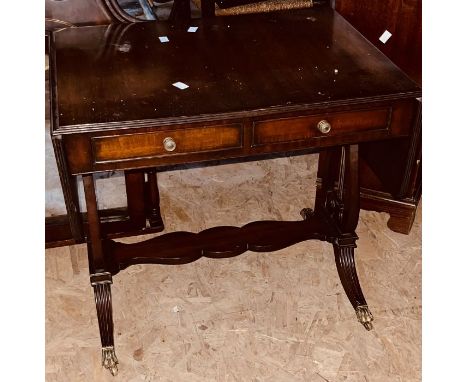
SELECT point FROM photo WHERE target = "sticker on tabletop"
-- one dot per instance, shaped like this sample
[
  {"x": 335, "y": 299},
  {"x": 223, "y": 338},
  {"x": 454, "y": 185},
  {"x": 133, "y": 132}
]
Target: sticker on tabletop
[
  {"x": 192, "y": 29},
  {"x": 385, "y": 36},
  {"x": 163, "y": 39},
  {"x": 180, "y": 85}
]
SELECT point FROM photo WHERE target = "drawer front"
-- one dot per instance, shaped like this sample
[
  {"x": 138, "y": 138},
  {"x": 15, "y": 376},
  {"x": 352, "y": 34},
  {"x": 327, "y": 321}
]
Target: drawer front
[
  {"x": 305, "y": 128},
  {"x": 144, "y": 145}
]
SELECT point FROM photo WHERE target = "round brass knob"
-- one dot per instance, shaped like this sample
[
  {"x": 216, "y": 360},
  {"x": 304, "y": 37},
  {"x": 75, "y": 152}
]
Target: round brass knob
[
  {"x": 169, "y": 144},
  {"x": 324, "y": 126}
]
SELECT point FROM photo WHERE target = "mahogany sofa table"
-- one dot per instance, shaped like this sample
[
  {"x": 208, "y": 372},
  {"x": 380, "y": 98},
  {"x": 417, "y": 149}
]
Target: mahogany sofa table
[{"x": 258, "y": 85}]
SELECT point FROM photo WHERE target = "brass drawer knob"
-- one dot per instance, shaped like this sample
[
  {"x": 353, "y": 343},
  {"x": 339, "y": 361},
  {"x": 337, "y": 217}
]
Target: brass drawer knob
[
  {"x": 169, "y": 144},
  {"x": 324, "y": 126}
]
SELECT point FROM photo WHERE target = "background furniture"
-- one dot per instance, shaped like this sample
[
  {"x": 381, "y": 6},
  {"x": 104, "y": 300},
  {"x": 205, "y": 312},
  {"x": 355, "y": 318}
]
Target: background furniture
[{"x": 391, "y": 171}]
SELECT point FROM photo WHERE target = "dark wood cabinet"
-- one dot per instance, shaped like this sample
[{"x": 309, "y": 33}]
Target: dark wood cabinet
[
  {"x": 390, "y": 172},
  {"x": 402, "y": 18}
]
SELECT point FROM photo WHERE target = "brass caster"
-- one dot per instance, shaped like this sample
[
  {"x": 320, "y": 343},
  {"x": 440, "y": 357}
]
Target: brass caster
[
  {"x": 364, "y": 316},
  {"x": 306, "y": 213},
  {"x": 109, "y": 360}
]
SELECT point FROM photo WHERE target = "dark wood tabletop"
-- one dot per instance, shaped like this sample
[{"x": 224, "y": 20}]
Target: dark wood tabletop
[{"x": 233, "y": 65}]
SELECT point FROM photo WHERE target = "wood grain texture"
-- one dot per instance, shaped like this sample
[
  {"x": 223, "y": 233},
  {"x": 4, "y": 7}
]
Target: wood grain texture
[
  {"x": 302, "y": 128},
  {"x": 270, "y": 132},
  {"x": 130, "y": 146}
]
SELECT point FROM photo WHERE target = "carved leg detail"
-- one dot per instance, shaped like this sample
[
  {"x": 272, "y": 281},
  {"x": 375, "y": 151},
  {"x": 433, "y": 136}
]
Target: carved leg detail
[
  {"x": 101, "y": 283},
  {"x": 344, "y": 259}
]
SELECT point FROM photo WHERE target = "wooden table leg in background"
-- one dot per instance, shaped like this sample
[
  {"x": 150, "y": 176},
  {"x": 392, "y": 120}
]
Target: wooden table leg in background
[
  {"x": 153, "y": 210},
  {"x": 142, "y": 205},
  {"x": 208, "y": 8},
  {"x": 134, "y": 186}
]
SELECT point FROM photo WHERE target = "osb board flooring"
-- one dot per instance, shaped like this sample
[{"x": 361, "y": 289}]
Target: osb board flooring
[{"x": 280, "y": 316}]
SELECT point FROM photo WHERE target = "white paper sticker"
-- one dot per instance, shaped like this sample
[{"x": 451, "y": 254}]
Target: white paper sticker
[
  {"x": 192, "y": 29},
  {"x": 163, "y": 39},
  {"x": 180, "y": 85},
  {"x": 385, "y": 36}
]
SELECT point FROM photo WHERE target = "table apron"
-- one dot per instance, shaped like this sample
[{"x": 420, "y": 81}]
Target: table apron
[{"x": 154, "y": 146}]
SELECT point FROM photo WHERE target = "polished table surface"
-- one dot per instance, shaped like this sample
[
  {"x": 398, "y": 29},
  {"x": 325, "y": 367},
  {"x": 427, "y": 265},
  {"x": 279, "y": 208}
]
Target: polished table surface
[
  {"x": 282, "y": 60},
  {"x": 258, "y": 84}
]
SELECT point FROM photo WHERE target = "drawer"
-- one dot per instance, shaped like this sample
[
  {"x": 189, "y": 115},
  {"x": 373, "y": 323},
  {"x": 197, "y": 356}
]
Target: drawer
[
  {"x": 304, "y": 128},
  {"x": 166, "y": 143}
]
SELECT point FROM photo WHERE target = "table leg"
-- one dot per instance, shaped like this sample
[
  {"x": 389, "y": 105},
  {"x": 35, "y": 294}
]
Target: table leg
[
  {"x": 344, "y": 259},
  {"x": 135, "y": 189},
  {"x": 101, "y": 278},
  {"x": 339, "y": 201},
  {"x": 70, "y": 191},
  {"x": 208, "y": 8},
  {"x": 154, "y": 212}
]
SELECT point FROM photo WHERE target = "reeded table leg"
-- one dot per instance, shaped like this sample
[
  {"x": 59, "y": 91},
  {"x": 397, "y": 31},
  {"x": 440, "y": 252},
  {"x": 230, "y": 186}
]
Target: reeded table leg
[
  {"x": 101, "y": 278},
  {"x": 344, "y": 259},
  {"x": 338, "y": 199},
  {"x": 101, "y": 283}
]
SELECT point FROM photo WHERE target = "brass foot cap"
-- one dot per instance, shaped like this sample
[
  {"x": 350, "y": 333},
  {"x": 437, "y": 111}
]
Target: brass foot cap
[
  {"x": 109, "y": 360},
  {"x": 364, "y": 316}
]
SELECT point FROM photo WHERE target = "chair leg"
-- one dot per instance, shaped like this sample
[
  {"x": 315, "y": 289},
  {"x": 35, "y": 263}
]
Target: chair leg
[
  {"x": 101, "y": 283},
  {"x": 344, "y": 259}
]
